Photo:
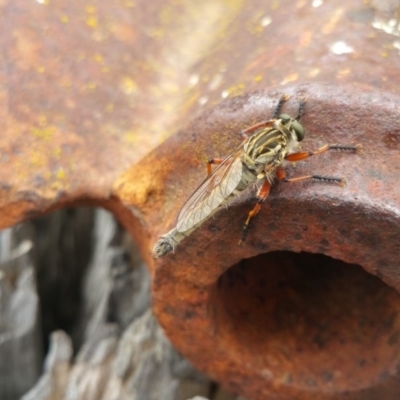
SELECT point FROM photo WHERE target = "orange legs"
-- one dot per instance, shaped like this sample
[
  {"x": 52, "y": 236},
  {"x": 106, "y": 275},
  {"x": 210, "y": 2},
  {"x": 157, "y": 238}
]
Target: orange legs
[
  {"x": 215, "y": 161},
  {"x": 281, "y": 175},
  {"x": 261, "y": 196},
  {"x": 302, "y": 155}
]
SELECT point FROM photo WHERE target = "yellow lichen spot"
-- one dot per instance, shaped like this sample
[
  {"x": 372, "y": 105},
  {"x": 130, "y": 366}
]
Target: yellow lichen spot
[
  {"x": 332, "y": 21},
  {"x": 235, "y": 90},
  {"x": 128, "y": 85},
  {"x": 314, "y": 72},
  {"x": 275, "y": 4},
  {"x": 156, "y": 33},
  {"x": 256, "y": 29},
  {"x": 60, "y": 174},
  {"x": 343, "y": 72},
  {"x": 258, "y": 78},
  {"x": 57, "y": 153},
  {"x": 72, "y": 166},
  {"x": 43, "y": 133},
  {"x": 258, "y": 22},
  {"x": 38, "y": 160},
  {"x": 40, "y": 69},
  {"x": 306, "y": 37},
  {"x": 42, "y": 119},
  {"x": 384, "y": 53},
  {"x": 129, "y": 3},
  {"x": 92, "y": 21},
  {"x": 98, "y": 58},
  {"x": 105, "y": 69},
  {"x": 64, "y": 19},
  {"x": 57, "y": 186},
  {"x": 167, "y": 15},
  {"x": 131, "y": 137},
  {"x": 91, "y": 85},
  {"x": 65, "y": 82},
  {"x": 46, "y": 175},
  {"x": 290, "y": 78},
  {"x": 90, "y": 9},
  {"x": 110, "y": 107}
]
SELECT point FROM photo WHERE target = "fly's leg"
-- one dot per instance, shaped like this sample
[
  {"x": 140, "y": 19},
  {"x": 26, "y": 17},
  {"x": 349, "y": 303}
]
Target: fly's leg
[
  {"x": 261, "y": 196},
  {"x": 281, "y": 175},
  {"x": 265, "y": 124},
  {"x": 302, "y": 103},
  {"x": 302, "y": 155},
  {"x": 284, "y": 98},
  {"x": 215, "y": 161},
  {"x": 244, "y": 134}
]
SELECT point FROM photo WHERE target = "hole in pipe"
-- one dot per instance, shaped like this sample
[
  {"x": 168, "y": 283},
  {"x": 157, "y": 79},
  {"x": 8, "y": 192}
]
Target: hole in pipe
[{"x": 309, "y": 321}]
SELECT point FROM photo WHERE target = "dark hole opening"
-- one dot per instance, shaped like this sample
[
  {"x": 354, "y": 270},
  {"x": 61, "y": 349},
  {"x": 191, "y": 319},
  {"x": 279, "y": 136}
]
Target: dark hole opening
[{"x": 309, "y": 320}]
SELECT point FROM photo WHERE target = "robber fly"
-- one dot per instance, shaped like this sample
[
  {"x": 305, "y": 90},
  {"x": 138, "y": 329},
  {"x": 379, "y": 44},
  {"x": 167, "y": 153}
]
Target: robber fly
[{"x": 258, "y": 160}]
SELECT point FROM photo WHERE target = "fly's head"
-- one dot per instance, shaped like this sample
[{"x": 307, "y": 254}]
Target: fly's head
[{"x": 293, "y": 125}]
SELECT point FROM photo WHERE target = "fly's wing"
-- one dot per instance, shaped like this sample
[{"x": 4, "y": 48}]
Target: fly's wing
[{"x": 211, "y": 193}]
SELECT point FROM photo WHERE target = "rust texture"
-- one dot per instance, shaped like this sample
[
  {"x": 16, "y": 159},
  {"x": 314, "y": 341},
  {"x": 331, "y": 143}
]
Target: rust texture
[
  {"x": 89, "y": 90},
  {"x": 265, "y": 320}
]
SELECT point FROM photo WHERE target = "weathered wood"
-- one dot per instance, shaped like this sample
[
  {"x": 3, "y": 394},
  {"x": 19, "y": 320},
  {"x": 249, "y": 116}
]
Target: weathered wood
[
  {"x": 20, "y": 337},
  {"x": 121, "y": 351},
  {"x": 104, "y": 307},
  {"x": 139, "y": 364}
]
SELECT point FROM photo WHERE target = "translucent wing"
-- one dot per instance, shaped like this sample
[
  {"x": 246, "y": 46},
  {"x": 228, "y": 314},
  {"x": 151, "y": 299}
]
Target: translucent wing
[{"x": 211, "y": 193}]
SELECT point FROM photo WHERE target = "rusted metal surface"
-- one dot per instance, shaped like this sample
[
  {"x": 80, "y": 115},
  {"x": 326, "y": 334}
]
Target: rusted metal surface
[
  {"x": 284, "y": 325},
  {"x": 88, "y": 89}
]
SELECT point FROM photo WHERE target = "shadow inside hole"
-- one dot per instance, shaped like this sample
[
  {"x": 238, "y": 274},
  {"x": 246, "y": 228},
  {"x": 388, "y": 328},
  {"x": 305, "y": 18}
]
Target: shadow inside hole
[{"x": 308, "y": 320}]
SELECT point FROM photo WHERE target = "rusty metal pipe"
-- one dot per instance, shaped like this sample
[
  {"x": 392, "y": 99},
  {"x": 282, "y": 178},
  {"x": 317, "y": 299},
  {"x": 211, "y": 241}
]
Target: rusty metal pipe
[
  {"x": 290, "y": 316},
  {"x": 310, "y": 305}
]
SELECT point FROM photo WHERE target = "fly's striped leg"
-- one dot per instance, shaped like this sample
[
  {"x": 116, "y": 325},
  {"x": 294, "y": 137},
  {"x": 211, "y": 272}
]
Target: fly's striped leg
[
  {"x": 302, "y": 155},
  {"x": 284, "y": 98},
  {"x": 302, "y": 103},
  {"x": 265, "y": 124},
  {"x": 261, "y": 196},
  {"x": 215, "y": 161},
  {"x": 281, "y": 175}
]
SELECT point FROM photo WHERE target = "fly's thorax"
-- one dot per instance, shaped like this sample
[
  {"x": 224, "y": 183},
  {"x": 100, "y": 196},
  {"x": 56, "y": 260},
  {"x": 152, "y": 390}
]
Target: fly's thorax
[{"x": 267, "y": 147}]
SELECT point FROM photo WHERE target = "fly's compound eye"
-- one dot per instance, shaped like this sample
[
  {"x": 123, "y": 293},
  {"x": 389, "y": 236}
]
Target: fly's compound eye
[
  {"x": 285, "y": 118},
  {"x": 298, "y": 128},
  {"x": 295, "y": 125}
]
